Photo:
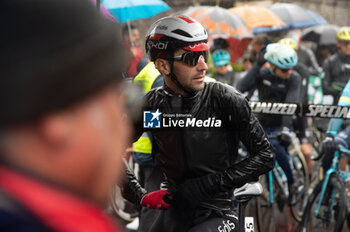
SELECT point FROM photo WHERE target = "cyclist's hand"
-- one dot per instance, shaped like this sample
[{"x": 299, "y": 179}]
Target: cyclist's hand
[
  {"x": 156, "y": 200},
  {"x": 285, "y": 137},
  {"x": 261, "y": 59},
  {"x": 328, "y": 145}
]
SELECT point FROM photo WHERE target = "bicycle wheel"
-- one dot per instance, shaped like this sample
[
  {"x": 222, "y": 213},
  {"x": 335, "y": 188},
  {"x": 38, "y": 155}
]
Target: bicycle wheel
[
  {"x": 301, "y": 178},
  {"x": 123, "y": 209},
  {"x": 331, "y": 216},
  {"x": 264, "y": 207}
]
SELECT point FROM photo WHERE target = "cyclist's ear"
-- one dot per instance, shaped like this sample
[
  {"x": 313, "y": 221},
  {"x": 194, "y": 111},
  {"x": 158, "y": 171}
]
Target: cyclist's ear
[{"x": 163, "y": 66}]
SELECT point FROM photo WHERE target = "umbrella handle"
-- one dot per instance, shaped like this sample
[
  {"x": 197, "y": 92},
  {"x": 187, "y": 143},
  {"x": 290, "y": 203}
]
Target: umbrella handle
[
  {"x": 129, "y": 30},
  {"x": 98, "y": 2}
]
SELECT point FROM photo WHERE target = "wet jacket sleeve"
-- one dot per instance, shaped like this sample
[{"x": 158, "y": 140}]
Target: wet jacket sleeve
[
  {"x": 249, "y": 81},
  {"x": 252, "y": 135},
  {"x": 293, "y": 96},
  {"x": 315, "y": 68},
  {"x": 327, "y": 79},
  {"x": 131, "y": 188}
]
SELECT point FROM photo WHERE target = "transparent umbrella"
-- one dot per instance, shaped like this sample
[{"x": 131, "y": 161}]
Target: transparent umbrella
[
  {"x": 219, "y": 21},
  {"x": 259, "y": 19},
  {"x": 322, "y": 34},
  {"x": 295, "y": 16}
]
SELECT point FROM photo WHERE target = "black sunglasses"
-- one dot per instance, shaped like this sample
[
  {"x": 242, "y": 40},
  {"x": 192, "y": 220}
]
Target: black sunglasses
[
  {"x": 286, "y": 70},
  {"x": 191, "y": 58},
  {"x": 345, "y": 42}
]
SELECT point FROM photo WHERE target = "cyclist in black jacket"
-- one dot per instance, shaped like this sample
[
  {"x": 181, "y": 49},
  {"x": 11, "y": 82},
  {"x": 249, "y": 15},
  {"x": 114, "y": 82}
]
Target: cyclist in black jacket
[
  {"x": 300, "y": 124},
  {"x": 278, "y": 83},
  {"x": 198, "y": 158},
  {"x": 337, "y": 67}
]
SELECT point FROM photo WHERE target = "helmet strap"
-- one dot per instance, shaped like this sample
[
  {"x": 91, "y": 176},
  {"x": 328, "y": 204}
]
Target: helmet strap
[
  {"x": 176, "y": 82},
  {"x": 272, "y": 71}
]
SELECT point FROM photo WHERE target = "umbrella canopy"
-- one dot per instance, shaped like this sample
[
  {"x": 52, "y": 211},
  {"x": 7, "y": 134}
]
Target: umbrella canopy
[
  {"x": 259, "y": 19},
  {"x": 128, "y": 10},
  {"x": 295, "y": 16},
  {"x": 322, "y": 34},
  {"x": 103, "y": 10},
  {"x": 237, "y": 47},
  {"x": 219, "y": 21},
  {"x": 318, "y": 18}
]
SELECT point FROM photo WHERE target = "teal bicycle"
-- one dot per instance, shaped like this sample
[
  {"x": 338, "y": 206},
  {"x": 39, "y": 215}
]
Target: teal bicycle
[
  {"x": 275, "y": 191},
  {"x": 326, "y": 209}
]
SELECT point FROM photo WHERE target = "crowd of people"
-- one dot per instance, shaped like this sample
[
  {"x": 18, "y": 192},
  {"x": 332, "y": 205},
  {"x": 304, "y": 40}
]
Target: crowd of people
[
  {"x": 66, "y": 122},
  {"x": 268, "y": 71}
]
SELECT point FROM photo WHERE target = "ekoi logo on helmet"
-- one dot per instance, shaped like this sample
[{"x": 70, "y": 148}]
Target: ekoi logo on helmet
[
  {"x": 197, "y": 47},
  {"x": 157, "y": 44}
]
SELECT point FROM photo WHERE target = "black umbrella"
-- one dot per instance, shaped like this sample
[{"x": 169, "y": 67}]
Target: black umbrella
[{"x": 324, "y": 34}]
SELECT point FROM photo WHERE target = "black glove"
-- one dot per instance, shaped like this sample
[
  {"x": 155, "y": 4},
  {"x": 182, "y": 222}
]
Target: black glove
[
  {"x": 285, "y": 138},
  {"x": 131, "y": 188},
  {"x": 260, "y": 60},
  {"x": 191, "y": 192},
  {"x": 328, "y": 145}
]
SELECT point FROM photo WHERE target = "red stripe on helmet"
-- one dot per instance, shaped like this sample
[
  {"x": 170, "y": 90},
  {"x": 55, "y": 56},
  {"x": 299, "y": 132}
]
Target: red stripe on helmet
[
  {"x": 155, "y": 36},
  {"x": 185, "y": 18},
  {"x": 197, "y": 47}
]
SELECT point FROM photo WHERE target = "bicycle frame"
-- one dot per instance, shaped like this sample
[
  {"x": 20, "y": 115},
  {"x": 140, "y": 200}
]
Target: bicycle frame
[
  {"x": 333, "y": 169},
  {"x": 278, "y": 175}
]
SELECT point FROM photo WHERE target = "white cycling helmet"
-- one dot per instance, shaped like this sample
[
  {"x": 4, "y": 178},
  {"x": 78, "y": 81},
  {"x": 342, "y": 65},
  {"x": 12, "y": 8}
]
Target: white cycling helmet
[
  {"x": 174, "y": 32},
  {"x": 280, "y": 55}
]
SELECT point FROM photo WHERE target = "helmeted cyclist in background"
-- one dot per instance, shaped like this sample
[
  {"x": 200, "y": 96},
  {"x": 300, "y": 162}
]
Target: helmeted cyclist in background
[
  {"x": 333, "y": 138},
  {"x": 300, "y": 124},
  {"x": 198, "y": 161},
  {"x": 278, "y": 83},
  {"x": 224, "y": 72},
  {"x": 305, "y": 55},
  {"x": 337, "y": 67}
]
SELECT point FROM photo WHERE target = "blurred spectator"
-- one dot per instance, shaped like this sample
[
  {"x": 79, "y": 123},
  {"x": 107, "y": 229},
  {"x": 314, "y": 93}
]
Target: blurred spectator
[
  {"x": 131, "y": 36},
  {"x": 247, "y": 63},
  {"x": 62, "y": 124},
  {"x": 323, "y": 52},
  {"x": 257, "y": 43},
  {"x": 141, "y": 64},
  {"x": 219, "y": 43},
  {"x": 247, "y": 60},
  {"x": 305, "y": 55}
]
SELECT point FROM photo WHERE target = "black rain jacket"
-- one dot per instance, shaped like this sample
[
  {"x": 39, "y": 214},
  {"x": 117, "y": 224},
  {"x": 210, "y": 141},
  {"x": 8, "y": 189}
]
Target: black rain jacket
[{"x": 189, "y": 152}]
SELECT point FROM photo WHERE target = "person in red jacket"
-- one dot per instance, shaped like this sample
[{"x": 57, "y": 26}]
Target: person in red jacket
[
  {"x": 63, "y": 128},
  {"x": 131, "y": 36}
]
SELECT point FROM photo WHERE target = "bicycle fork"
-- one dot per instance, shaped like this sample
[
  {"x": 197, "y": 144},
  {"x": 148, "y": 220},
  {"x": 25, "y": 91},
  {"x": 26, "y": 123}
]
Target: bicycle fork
[{"x": 325, "y": 183}]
